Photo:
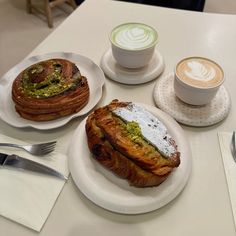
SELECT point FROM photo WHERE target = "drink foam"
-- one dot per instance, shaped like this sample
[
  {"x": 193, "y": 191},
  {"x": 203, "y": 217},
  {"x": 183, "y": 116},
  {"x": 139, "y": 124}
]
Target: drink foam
[
  {"x": 199, "y": 72},
  {"x": 134, "y": 36}
]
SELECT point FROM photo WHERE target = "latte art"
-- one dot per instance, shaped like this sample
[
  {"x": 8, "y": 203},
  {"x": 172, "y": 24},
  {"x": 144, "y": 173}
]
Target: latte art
[
  {"x": 200, "y": 72},
  {"x": 134, "y": 36}
]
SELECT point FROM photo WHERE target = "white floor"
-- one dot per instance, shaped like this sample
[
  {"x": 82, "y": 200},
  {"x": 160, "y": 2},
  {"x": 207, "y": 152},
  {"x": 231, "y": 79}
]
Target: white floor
[{"x": 21, "y": 32}]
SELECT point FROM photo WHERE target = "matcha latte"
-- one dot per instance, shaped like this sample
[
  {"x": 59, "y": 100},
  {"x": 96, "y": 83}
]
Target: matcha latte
[
  {"x": 134, "y": 36},
  {"x": 133, "y": 44}
]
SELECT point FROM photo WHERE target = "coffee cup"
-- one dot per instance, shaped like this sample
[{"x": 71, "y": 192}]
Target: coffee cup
[
  {"x": 133, "y": 44},
  {"x": 197, "y": 80}
]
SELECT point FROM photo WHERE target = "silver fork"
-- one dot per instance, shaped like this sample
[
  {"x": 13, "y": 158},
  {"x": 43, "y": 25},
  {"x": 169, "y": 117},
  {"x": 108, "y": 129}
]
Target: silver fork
[
  {"x": 232, "y": 146},
  {"x": 35, "y": 149}
]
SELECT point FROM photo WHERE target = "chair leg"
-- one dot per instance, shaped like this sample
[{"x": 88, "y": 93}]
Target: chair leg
[
  {"x": 48, "y": 13},
  {"x": 72, "y": 3},
  {"x": 29, "y": 6}
]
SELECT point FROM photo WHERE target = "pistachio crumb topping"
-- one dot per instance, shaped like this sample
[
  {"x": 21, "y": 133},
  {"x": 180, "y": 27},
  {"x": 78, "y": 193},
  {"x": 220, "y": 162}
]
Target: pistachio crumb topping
[
  {"x": 151, "y": 128},
  {"x": 134, "y": 131},
  {"x": 53, "y": 84}
]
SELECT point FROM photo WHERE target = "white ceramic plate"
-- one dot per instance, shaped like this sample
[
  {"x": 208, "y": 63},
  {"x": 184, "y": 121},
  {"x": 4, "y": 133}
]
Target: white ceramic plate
[
  {"x": 113, "y": 193},
  {"x": 87, "y": 67}
]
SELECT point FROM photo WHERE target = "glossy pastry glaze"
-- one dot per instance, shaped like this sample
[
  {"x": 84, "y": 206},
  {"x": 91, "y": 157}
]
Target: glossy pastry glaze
[{"x": 49, "y": 90}]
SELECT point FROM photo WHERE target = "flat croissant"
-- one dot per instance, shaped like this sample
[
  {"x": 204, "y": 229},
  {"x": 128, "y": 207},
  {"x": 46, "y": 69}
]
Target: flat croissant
[{"x": 141, "y": 164}]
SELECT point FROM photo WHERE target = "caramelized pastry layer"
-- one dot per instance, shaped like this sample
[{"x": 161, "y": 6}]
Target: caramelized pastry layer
[
  {"x": 49, "y": 90},
  {"x": 120, "y": 145}
]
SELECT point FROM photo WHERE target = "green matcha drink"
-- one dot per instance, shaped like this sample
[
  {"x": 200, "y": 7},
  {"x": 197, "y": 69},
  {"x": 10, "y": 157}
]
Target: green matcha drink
[{"x": 134, "y": 36}]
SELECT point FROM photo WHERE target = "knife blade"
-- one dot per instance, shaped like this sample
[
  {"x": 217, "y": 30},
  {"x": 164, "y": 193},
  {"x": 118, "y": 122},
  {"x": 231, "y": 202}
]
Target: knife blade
[
  {"x": 18, "y": 162},
  {"x": 233, "y": 147}
]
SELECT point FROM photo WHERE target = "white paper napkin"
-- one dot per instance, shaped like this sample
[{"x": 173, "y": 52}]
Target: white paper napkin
[
  {"x": 230, "y": 167},
  {"x": 28, "y": 197}
]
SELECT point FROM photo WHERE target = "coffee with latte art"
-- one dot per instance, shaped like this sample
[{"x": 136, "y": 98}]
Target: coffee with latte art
[
  {"x": 134, "y": 36},
  {"x": 199, "y": 72}
]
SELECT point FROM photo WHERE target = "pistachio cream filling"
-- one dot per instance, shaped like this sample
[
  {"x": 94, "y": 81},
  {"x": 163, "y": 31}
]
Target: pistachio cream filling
[
  {"x": 141, "y": 124},
  {"x": 53, "y": 84},
  {"x": 134, "y": 131}
]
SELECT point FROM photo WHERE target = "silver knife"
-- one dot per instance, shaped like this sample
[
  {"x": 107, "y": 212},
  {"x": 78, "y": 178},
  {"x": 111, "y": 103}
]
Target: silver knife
[
  {"x": 233, "y": 147},
  {"x": 18, "y": 162}
]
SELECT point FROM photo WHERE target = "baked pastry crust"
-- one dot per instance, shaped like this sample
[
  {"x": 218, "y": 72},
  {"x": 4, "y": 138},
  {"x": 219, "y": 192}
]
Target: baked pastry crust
[
  {"x": 141, "y": 164},
  {"x": 49, "y": 90}
]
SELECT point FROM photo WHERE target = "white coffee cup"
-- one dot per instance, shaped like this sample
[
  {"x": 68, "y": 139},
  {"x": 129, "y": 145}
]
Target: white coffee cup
[
  {"x": 197, "y": 80},
  {"x": 133, "y": 44}
]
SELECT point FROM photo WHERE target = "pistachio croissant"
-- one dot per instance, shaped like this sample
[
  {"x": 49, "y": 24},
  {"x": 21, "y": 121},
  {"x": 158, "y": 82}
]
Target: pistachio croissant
[{"x": 119, "y": 144}]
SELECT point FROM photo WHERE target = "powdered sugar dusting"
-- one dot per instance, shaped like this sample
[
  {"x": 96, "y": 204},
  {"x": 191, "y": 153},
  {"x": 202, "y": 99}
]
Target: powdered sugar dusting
[{"x": 153, "y": 130}]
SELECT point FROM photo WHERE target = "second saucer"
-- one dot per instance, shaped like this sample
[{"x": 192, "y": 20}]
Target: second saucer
[
  {"x": 198, "y": 116},
  {"x": 132, "y": 76}
]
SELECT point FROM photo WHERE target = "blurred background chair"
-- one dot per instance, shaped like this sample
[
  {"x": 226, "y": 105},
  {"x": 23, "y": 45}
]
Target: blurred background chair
[
  {"x": 47, "y": 7},
  {"x": 192, "y": 5}
]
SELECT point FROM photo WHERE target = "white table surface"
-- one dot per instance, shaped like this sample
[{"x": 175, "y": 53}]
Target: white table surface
[{"x": 203, "y": 208}]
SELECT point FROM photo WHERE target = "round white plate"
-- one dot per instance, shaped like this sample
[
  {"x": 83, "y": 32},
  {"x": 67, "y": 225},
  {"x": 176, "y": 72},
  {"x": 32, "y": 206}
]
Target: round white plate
[
  {"x": 132, "y": 76},
  {"x": 113, "y": 193},
  {"x": 184, "y": 113},
  {"x": 87, "y": 67}
]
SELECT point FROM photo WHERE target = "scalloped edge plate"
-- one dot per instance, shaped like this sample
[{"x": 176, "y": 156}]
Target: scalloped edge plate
[{"x": 87, "y": 67}]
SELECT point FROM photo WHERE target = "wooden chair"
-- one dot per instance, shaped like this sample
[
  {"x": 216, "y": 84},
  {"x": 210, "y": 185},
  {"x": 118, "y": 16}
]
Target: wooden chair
[{"x": 48, "y": 5}]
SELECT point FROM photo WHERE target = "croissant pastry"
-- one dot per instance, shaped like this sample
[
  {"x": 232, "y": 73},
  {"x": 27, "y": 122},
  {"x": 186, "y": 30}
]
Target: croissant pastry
[
  {"x": 118, "y": 143},
  {"x": 49, "y": 90}
]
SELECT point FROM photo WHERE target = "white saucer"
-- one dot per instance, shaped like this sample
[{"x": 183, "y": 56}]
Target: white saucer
[
  {"x": 132, "y": 76},
  {"x": 206, "y": 115}
]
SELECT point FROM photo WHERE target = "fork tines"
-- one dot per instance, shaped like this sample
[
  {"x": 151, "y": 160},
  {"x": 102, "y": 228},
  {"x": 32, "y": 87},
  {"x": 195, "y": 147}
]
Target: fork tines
[{"x": 48, "y": 147}]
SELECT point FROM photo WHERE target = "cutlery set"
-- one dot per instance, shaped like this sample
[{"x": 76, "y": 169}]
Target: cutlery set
[
  {"x": 18, "y": 162},
  {"x": 43, "y": 149}
]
